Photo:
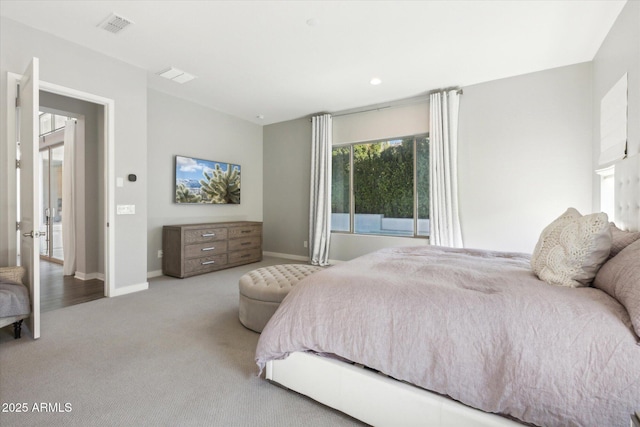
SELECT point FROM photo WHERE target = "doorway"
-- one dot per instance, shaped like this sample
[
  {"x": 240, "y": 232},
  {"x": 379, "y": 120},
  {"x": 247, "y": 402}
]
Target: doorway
[
  {"x": 71, "y": 196},
  {"x": 23, "y": 219}
]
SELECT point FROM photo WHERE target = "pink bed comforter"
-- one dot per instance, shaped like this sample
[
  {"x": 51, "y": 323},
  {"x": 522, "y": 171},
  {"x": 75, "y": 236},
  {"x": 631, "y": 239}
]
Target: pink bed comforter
[{"x": 477, "y": 326}]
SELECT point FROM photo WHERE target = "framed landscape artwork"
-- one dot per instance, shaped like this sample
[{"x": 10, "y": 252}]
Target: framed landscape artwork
[{"x": 200, "y": 181}]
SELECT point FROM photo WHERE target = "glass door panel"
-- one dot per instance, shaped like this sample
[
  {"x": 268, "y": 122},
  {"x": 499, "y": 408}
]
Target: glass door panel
[
  {"x": 55, "y": 198},
  {"x": 44, "y": 202},
  {"x": 51, "y": 166}
]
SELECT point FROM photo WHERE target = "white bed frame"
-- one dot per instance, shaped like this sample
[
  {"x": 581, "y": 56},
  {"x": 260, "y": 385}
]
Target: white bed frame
[
  {"x": 372, "y": 397},
  {"x": 382, "y": 401}
]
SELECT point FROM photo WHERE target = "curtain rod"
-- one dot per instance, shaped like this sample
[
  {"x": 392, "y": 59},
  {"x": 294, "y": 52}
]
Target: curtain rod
[
  {"x": 362, "y": 111},
  {"x": 400, "y": 103},
  {"x": 447, "y": 89},
  {"x": 353, "y": 112}
]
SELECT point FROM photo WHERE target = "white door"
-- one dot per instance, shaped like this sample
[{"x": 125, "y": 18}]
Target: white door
[{"x": 29, "y": 181}]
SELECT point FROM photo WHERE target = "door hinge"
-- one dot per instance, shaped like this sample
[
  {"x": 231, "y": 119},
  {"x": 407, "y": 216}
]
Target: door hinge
[
  {"x": 18, "y": 224},
  {"x": 18, "y": 164},
  {"x": 17, "y": 102}
]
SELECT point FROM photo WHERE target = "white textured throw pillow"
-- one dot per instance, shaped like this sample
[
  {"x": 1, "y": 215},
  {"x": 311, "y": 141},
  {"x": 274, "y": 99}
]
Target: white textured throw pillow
[{"x": 572, "y": 248}]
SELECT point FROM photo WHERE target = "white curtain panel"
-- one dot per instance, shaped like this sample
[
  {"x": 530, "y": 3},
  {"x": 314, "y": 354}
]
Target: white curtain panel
[
  {"x": 320, "y": 194},
  {"x": 68, "y": 200},
  {"x": 443, "y": 153}
]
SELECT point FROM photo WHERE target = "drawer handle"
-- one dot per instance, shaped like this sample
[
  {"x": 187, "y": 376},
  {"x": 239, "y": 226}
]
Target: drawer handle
[
  {"x": 245, "y": 231},
  {"x": 208, "y": 249},
  {"x": 209, "y": 235},
  {"x": 207, "y": 262},
  {"x": 245, "y": 243}
]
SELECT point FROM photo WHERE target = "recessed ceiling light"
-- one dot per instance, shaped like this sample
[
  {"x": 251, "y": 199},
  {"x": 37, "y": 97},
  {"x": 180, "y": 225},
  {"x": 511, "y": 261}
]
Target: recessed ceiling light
[
  {"x": 375, "y": 81},
  {"x": 176, "y": 75}
]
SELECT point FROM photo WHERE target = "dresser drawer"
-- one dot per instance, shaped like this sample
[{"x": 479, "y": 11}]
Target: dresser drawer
[
  {"x": 201, "y": 265},
  {"x": 245, "y": 231},
  {"x": 205, "y": 249},
  {"x": 204, "y": 235},
  {"x": 245, "y": 243},
  {"x": 245, "y": 255}
]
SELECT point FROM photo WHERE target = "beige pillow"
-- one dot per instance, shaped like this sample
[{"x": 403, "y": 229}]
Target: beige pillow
[
  {"x": 621, "y": 239},
  {"x": 572, "y": 248},
  {"x": 620, "y": 278}
]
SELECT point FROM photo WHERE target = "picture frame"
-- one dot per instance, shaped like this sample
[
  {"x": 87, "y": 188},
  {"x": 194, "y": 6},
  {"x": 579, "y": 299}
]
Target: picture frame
[{"x": 200, "y": 181}]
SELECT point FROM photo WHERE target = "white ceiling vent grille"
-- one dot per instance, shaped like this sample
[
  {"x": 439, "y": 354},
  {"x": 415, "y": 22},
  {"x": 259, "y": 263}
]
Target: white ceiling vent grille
[
  {"x": 114, "y": 23},
  {"x": 176, "y": 75}
]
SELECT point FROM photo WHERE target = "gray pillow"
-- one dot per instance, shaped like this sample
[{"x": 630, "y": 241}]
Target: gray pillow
[
  {"x": 572, "y": 248},
  {"x": 621, "y": 239},
  {"x": 620, "y": 278}
]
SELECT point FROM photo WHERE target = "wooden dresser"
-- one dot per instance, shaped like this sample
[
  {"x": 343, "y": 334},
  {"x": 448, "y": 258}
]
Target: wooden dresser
[{"x": 191, "y": 249}]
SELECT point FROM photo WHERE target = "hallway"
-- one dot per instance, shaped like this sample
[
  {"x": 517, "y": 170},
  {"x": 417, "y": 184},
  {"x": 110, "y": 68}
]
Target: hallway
[{"x": 58, "y": 291}]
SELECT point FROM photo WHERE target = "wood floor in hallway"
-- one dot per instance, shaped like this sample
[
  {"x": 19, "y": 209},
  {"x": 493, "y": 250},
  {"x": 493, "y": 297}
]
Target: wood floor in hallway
[{"x": 58, "y": 291}]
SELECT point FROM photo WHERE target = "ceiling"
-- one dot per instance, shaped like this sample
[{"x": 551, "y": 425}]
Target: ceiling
[{"x": 283, "y": 60}]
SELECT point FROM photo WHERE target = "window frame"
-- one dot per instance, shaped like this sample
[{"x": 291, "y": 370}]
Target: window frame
[
  {"x": 53, "y": 117},
  {"x": 352, "y": 202}
]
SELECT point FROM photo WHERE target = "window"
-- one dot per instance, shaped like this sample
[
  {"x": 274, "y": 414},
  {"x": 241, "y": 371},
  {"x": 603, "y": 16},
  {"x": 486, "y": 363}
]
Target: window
[
  {"x": 51, "y": 122},
  {"x": 607, "y": 190},
  {"x": 381, "y": 187},
  {"x": 46, "y": 123}
]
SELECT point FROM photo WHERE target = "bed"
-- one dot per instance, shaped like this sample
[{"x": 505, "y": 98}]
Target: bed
[{"x": 451, "y": 337}]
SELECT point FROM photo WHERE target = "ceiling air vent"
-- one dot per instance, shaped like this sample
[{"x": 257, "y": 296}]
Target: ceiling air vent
[
  {"x": 114, "y": 23},
  {"x": 176, "y": 75}
]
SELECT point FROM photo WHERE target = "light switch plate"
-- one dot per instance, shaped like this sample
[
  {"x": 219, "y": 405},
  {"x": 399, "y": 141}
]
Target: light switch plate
[{"x": 126, "y": 209}]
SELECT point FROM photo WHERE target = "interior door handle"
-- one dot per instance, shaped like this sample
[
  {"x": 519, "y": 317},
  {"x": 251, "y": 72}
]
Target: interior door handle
[{"x": 35, "y": 234}]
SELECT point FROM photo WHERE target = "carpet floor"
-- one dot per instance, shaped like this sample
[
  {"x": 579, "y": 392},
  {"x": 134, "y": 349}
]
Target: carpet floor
[{"x": 173, "y": 355}]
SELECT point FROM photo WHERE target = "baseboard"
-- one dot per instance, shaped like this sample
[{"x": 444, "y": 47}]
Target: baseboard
[
  {"x": 154, "y": 273},
  {"x": 286, "y": 256},
  {"x": 129, "y": 289},
  {"x": 89, "y": 276},
  {"x": 296, "y": 257}
]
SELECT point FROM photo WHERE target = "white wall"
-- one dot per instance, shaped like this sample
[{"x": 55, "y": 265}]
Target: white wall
[
  {"x": 67, "y": 64},
  {"x": 524, "y": 155},
  {"x": 287, "y": 156},
  {"x": 179, "y": 127},
  {"x": 348, "y": 246}
]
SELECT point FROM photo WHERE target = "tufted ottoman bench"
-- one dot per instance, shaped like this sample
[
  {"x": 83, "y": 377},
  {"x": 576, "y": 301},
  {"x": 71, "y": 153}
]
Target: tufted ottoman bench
[{"x": 262, "y": 290}]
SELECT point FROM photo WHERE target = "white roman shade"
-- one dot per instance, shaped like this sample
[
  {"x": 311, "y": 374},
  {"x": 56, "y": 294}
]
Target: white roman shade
[{"x": 613, "y": 123}]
